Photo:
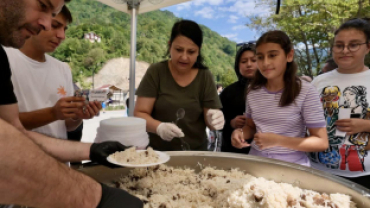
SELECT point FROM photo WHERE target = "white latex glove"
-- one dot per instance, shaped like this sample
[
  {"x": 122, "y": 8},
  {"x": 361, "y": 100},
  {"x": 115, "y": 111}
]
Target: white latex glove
[
  {"x": 215, "y": 118},
  {"x": 167, "y": 131}
]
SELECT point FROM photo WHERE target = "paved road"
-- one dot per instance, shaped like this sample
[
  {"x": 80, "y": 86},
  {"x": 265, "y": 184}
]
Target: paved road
[{"x": 90, "y": 126}]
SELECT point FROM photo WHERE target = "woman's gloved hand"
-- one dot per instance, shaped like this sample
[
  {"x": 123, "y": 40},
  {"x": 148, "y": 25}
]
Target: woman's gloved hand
[
  {"x": 168, "y": 131},
  {"x": 215, "y": 118}
]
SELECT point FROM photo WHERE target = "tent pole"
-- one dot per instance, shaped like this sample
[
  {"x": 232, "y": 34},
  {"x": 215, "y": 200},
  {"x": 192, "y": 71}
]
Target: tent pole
[{"x": 132, "y": 61}]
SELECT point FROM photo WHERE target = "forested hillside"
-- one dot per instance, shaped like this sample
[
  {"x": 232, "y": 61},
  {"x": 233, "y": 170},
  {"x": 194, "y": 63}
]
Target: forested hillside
[{"x": 152, "y": 37}]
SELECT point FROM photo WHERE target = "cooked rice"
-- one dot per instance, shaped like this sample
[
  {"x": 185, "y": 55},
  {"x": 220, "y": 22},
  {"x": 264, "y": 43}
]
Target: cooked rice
[
  {"x": 131, "y": 156},
  {"x": 167, "y": 187}
]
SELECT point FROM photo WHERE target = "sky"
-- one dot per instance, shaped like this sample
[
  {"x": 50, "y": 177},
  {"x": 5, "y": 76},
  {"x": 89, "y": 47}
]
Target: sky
[{"x": 226, "y": 17}]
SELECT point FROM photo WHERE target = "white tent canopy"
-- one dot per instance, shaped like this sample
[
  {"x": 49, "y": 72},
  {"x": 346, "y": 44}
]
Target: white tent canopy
[
  {"x": 135, "y": 7},
  {"x": 143, "y": 5}
]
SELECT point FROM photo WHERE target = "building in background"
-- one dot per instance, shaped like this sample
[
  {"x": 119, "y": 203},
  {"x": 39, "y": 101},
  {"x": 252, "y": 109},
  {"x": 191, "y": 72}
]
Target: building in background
[{"x": 92, "y": 37}]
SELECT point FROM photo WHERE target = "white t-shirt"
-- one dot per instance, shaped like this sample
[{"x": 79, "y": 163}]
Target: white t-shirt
[
  {"x": 346, "y": 155},
  {"x": 40, "y": 85}
]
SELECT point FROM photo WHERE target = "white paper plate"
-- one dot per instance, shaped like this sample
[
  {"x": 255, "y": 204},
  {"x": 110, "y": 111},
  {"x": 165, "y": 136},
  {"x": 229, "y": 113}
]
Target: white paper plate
[{"x": 163, "y": 158}]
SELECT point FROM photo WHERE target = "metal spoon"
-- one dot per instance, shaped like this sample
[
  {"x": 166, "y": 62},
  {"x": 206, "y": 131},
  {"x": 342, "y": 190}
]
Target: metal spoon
[{"x": 180, "y": 115}]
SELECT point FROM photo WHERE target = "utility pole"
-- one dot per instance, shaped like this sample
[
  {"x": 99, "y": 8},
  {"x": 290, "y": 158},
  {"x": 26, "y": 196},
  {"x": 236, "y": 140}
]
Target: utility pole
[{"x": 93, "y": 87}]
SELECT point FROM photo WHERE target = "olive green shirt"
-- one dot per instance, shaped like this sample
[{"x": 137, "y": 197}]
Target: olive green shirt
[{"x": 200, "y": 93}]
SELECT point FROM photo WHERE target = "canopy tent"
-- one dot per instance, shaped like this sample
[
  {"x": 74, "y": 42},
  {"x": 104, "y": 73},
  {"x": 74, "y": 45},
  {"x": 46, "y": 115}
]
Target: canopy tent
[
  {"x": 141, "y": 6},
  {"x": 135, "y": 7}
]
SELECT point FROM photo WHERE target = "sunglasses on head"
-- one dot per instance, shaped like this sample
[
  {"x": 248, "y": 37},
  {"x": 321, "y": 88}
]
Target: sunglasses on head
[{"x": 246, "y": 45}]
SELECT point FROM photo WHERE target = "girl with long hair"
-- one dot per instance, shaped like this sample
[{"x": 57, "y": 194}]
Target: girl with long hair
[{"x": 280, "y": 107}]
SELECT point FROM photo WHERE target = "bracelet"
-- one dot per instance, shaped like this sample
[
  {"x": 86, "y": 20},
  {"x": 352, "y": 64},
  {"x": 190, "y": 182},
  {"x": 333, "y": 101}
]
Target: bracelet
[
  {"x": 74, "y": 119},
  {"x": 241, "y": 129}
]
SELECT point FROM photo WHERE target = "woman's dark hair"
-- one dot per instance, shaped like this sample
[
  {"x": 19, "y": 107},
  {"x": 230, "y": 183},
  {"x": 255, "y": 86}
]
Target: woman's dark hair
[
  {"x": 192, "y": 31},
  {"x": 250, "y": 46},
  {"x": 358, "y": 24},
  {"x": 331, "y": 64},
  {"x": 292, "y": 83}
]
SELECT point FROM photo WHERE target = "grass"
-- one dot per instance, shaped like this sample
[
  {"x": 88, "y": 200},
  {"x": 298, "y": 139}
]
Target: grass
[{"x": 112, "y": 108}]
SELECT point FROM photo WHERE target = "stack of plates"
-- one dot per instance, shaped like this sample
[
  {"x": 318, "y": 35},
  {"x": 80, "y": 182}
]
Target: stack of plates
[{"x": 129, "y": 131}]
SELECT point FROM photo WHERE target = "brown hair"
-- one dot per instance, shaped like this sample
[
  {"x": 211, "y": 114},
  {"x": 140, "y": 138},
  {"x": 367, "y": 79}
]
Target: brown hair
[
  {"x": 66, "y": 14},
  {"x": 292, "y": 83},
  {"x": 361, "y": 24}
]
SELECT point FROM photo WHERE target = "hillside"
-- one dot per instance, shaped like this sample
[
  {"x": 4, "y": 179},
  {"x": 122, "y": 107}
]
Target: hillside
[
  {"x": 152, "y": 36},
  {"x": 118, "y": 66}
]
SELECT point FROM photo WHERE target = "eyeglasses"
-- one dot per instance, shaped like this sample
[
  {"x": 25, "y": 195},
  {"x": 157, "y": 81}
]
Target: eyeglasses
[{"x": 353, "y": 47}]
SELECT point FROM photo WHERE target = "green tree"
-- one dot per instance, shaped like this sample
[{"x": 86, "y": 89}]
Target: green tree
[
  {"x": 311, "y": 25},
  {"x": 228, "y": 77},
  {"x": 153, "y": 33}
]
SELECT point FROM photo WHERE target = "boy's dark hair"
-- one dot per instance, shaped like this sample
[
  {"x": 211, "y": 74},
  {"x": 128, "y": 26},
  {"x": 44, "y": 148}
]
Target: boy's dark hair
[
  {"x": 66, "y": 14},
  {"x": 361, "y": 24},
  {"x": 292, "y": 83}
]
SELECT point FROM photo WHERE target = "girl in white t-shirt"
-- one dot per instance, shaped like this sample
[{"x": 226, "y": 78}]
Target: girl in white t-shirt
[{"x": 347, "y": 89}]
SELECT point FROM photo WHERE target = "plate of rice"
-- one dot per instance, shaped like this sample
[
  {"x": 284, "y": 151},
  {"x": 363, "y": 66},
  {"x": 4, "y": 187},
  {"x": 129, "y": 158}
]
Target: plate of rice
[{"x": 133, "y": 158}]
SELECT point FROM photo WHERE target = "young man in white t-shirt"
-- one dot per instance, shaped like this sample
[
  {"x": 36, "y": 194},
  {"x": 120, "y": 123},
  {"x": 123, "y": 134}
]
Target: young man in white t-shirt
[{"x": 43, "y": 85}]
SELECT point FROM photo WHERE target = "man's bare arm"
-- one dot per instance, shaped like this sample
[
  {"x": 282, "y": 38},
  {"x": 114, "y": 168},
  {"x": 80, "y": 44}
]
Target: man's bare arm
[
  {"x": 30, "y": 177},
  {"x": 63, "y": 150}
]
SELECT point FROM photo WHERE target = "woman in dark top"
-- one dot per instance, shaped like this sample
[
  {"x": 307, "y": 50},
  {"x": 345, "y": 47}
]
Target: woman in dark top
[
  {"x": 233, "y": 96},
  {"x": 180, "y": 84}
]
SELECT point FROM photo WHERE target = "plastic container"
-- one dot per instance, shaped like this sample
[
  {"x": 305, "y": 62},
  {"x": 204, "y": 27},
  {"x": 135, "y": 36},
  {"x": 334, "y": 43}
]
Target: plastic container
[{"x": 129, "y": 131}]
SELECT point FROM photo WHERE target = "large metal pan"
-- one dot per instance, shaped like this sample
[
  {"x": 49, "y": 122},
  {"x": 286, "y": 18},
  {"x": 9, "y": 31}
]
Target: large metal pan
[{"x": 303, "y": 177}]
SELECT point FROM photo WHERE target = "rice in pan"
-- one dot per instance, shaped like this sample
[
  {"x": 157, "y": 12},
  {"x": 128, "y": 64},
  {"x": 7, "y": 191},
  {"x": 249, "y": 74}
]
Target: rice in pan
[{"x": 167, "y": 187}]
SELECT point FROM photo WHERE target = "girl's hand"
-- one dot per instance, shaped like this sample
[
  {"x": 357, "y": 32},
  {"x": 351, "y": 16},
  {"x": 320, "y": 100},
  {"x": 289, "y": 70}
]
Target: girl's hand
[
  {"x": 353, "y": 125},
  {"x": 237, "y": 139},
  {"x": 266, "y": 140}
]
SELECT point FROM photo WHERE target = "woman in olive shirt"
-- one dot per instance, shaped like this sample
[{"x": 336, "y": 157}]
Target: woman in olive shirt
[{"x": 180, "y": 82}]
